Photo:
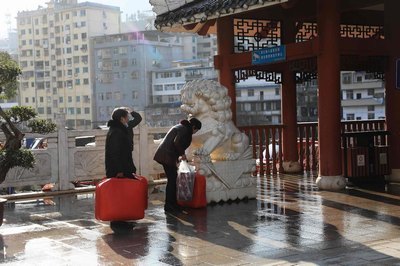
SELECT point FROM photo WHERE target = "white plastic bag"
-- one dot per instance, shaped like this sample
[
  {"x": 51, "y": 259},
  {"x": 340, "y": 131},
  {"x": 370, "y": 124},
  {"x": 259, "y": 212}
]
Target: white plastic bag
[{"x": 185, "y": 181}]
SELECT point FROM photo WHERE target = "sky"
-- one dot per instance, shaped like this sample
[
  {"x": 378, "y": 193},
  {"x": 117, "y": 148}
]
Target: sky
[{"x": 13, "y": 6}]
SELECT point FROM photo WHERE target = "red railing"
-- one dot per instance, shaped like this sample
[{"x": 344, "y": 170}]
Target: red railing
[
  {"x": 307, "y": 145},
  {"x": 266, "y": 142}
]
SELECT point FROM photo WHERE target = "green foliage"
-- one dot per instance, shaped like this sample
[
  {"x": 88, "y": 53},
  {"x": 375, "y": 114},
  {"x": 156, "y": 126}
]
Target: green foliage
[
  {"x": 22, "y": 157},
  {"x": 42, "y": 126},
  {"x": 19, "y": 114},
  {"x": 9, "y": 71}
]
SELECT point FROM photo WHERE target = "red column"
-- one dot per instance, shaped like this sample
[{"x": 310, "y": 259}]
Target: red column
[
  {"x": 289, "y": 106},
  {"x": 225, "y": 48},
  {"x": 392, "y": 34},
  {"x": 328, "y": 19},
  {"x": 289, "y": 120}
]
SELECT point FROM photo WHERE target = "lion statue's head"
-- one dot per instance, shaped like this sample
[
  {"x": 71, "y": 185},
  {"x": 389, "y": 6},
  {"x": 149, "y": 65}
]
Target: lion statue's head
[{"x": 206, "y": 97}]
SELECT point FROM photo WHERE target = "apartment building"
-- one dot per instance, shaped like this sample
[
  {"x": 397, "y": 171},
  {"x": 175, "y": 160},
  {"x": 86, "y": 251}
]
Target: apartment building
[
  {"x": 258, "y": 102},
  {"x": 166, "y": 89},
  {"x": 363, "y": 96},
  {"x": 307, "y": 101},
  {"x": 206, "y": 47},
  {"x": 123, "y": 65},
  {"x": 55, "y": 59}
]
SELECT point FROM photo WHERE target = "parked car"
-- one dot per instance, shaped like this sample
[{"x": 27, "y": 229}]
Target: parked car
[{"x": 85, "y": 141}]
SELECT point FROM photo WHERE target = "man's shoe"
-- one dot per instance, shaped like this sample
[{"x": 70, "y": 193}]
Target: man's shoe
[{"x": 122, "y": 227}]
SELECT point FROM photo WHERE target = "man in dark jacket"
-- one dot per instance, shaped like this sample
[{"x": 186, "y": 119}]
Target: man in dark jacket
[
  {"x": 172, "y": 147},
  {"x": 119, "y": 146},
  {"x": 119, "y": 143}
]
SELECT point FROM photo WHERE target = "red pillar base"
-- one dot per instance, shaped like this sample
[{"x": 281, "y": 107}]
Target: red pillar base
[
  {"x": 394, "y": 177},
  {"x": 331, "y": 183},
  {"x": 291, "y": 167}
]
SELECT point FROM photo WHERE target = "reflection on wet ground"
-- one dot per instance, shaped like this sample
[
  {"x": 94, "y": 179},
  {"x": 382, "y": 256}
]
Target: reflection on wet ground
[{"x": 289, "y": 223}]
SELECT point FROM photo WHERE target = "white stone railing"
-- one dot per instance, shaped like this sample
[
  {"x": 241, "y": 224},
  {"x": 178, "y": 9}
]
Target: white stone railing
[{"x": 62, "y": 162}]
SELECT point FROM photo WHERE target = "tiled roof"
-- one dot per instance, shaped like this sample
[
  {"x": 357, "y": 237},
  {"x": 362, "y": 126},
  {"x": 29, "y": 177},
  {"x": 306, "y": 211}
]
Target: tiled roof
[{"x": 203, "y": 10}]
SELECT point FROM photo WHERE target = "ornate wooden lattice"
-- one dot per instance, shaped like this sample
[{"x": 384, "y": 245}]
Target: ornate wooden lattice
[
  {"x": 302, "y": 77},
  {"x": 254, "y": 34},
  {"x": 309, "y": 30},
  {"x": 306, "y": 31},
  {"x": 362, "y": 31},
  {"x": 244, "y": 74},
  {"x": 371, "y": 64}
]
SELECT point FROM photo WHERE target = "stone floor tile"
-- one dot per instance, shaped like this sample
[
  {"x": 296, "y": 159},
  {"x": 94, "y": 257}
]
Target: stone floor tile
[{"x": 290, "y": 223}]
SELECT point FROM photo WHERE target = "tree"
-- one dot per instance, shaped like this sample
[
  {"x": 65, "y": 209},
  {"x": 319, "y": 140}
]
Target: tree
[{"x": 11, "y": 153}]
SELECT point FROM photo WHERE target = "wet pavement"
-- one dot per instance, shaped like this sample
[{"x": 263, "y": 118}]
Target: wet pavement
[{"x": 290, "y": 223}]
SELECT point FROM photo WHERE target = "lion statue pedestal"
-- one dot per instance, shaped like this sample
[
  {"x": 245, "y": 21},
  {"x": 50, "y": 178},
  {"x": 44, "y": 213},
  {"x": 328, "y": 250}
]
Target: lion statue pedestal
[{"x": 220, "y": 151}]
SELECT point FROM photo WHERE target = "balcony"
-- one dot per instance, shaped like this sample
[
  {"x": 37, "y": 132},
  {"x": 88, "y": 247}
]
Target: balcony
[
  {"x": 193, "y": 76},
  {"x": 362, "y": 102}
]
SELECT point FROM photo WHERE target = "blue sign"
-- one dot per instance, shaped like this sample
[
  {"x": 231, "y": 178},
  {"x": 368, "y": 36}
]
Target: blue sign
[
  {"x": 268, "y": 55},
  {"x": 398, "y": 73}
]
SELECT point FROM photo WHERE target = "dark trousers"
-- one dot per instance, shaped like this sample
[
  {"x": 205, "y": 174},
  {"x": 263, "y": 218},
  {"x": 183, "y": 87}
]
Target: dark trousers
[{"x": 170, "y": 194}]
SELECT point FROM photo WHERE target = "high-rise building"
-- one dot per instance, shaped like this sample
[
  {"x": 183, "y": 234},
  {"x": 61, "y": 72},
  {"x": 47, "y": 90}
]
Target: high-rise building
[
  {"x": 123, "y": 64},
  {"x": 166, "y": 91},
  {"x": 54, "y": 57}
]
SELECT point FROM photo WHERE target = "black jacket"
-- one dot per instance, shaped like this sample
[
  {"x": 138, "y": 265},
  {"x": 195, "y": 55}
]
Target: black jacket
[
  {"x": 118, "y": 150},
  {"x": 174, "y": 144},
  {"x": 137, "y": 118}
]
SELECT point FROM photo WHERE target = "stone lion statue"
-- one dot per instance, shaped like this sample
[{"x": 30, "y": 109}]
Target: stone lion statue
[{"x": 219, "y": 138}]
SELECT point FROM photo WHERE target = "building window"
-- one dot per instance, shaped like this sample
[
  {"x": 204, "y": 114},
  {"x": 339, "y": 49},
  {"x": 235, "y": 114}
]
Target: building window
[
  {"x": 350, "y": 117},
  {"x": 135, "y": 95},
  {"x": 347, "y": 78},
  {"x": 277, "y": 91},
  {"x": 171, "y": 98},
  {"x": 40, "y": 110},
  {"x": 78, "y": 99},
  {"x": 158, "y": 87},
  {"x": 371, "y": 92},
  {"x": 134, "y": 75},
  {"x": 158, "y": 99},
  {"x": 371, "y": 108},
  {"x": 70, "y": 111},
  {"x": 87, "y": 110},
  {"x": 358, "y": 95},
  {"x": 26, "y": 100},
  {"x": 250, "y": 92},
  {"x": 349, "y": 95},
  {"x": 70, "y": 99},
  {"x": 170, "y": 87},
  {"x": 78, "y": 111},
  {"x": 359, "y": 78}
]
